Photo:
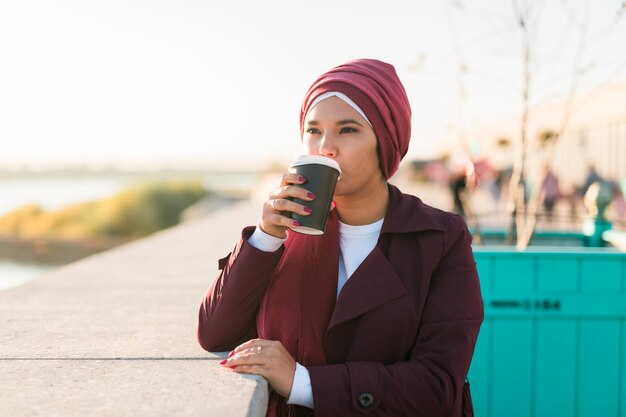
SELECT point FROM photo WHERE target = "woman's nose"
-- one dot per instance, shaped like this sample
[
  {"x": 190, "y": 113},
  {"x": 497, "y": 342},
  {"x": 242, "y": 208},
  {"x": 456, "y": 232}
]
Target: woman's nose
[{"x": 328, "y": 146}]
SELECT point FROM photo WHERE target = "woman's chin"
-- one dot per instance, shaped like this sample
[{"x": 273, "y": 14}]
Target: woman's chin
[{"x": 339, "y": 190}]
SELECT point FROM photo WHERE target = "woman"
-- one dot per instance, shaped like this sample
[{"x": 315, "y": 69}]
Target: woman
[{"x": 380, "y": 314}]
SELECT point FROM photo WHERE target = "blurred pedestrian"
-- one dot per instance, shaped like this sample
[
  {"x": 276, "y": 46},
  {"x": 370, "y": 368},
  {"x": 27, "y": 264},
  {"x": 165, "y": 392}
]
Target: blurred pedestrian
[
  {"x": 550, "y": 191},
  {"x": 462, "y": 179},
  {"x": 458, "y": 185},
  {"x": 592, "y": 176},
  {"x": 618, "y": 203}
]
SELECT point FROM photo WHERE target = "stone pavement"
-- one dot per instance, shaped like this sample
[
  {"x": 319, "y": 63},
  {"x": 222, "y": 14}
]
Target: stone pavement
[{"x": 114, "y": 334}]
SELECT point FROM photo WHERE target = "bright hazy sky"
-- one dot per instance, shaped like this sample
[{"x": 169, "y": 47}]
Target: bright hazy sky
[{"x": 182, "y": 80}]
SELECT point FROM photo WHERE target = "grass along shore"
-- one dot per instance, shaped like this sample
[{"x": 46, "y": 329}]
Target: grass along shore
[{"x": 32, "y": 234}]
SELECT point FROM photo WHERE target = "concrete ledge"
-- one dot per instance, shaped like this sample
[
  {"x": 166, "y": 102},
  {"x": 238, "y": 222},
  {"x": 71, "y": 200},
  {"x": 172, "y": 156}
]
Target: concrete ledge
[{"x": 114, "y": 334}]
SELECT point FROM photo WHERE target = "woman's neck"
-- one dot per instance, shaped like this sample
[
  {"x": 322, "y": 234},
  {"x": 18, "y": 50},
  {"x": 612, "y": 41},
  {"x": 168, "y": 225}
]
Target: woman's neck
[{"x": 364, "y": 208}]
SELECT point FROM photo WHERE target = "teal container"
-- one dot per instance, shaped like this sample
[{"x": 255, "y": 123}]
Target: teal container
[{"x": 553, "y": 342}]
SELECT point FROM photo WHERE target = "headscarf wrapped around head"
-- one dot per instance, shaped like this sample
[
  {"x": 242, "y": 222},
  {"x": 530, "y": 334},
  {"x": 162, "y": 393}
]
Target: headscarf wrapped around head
[{"x": 376, "y": 89}]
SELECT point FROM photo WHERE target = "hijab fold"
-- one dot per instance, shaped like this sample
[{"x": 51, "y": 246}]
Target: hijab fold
[
  {"x": 300, "y": 301},
  {"x": 376, "y": 89}
]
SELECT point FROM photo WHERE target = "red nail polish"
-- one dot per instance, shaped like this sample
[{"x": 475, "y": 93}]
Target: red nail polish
[
  {"x": 231, "y": 353},
  {"x": 310, "y": 195},
  {"x": 295, "y": 223},
  {"x": 308, "y": 210},
  {"x": 301, "y": 178},
  {"x": 223, "y": 362}
]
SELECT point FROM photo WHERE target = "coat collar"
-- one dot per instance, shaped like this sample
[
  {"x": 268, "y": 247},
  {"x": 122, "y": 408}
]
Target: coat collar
[
  {"x": 407, "y": 213},
  {"x": 375, "y": 282}
]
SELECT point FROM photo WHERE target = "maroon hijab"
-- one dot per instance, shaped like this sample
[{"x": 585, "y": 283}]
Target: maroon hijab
[
  {"x": 300, "y": 300},
  {"x": 375, "y": 87}
]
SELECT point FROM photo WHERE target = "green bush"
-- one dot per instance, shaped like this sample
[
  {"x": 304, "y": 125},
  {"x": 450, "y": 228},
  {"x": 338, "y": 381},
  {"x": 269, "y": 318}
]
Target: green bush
[{"x": 135, "y": 212}]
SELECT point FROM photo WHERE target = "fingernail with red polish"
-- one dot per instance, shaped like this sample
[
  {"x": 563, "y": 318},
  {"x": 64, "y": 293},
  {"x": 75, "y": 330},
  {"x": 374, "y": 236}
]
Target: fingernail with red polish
[
  {"x": 295, "y": 223},
  {"x": 231, "y": 353},
  {"x": 301, "y": 178},
  {"x": 310, "y": 195},
  {"x": 308, "y": 210},
  {"x": 223, "y": 362}
]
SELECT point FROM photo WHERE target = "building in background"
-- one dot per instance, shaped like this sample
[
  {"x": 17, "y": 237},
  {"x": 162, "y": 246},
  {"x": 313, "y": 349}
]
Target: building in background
[{"x": 594, "y": 133}]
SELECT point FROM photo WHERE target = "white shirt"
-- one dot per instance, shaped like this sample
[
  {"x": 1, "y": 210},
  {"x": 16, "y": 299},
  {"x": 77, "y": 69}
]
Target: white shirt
[{"x": 355, "y": 243}]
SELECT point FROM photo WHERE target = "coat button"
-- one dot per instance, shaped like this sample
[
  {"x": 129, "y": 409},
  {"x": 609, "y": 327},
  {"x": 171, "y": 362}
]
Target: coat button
[{"x": 365, "y": 399}]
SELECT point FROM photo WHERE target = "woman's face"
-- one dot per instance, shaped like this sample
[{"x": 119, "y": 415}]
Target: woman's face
[{"x": 334, "y": 129}]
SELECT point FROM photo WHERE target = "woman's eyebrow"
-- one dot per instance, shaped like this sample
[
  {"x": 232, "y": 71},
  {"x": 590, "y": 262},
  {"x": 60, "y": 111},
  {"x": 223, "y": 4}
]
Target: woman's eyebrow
[
  {"x": 347, "y": 122},
  {"x": 339, "y": 123}
]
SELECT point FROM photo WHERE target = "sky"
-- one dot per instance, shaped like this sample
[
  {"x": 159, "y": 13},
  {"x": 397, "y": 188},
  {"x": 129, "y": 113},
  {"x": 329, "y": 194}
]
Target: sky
[{"x": 221, "y": 82}]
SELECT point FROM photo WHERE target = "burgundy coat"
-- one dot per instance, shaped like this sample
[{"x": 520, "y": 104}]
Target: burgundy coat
[{"x": 403, "y": 331}]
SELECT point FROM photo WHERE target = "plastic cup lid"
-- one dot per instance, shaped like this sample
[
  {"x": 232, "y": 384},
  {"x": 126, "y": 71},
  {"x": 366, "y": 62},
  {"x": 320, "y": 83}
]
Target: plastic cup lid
[{"x": 315, "y": 159}]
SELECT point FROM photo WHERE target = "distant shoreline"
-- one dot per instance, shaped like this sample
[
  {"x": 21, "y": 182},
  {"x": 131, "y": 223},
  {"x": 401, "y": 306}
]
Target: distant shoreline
[
  {"x": 56, "y": 252},
  {"x": 141, "y": 173}
]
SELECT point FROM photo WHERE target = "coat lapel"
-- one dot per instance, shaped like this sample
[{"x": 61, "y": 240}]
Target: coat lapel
[{"x": 374, "y": 283}]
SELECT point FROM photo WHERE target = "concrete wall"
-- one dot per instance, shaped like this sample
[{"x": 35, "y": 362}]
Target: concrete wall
[{"x": 114, "y": 334}]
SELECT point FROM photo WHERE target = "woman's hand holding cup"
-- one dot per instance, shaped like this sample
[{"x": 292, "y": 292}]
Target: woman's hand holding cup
[{"x": 275, "y": 217}]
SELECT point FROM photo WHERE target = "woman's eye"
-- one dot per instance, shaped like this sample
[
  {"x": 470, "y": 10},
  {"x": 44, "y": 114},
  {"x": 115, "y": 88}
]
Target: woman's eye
[
  {"x": 347, "y": 130},
  {"x": 312, "y": 131}
]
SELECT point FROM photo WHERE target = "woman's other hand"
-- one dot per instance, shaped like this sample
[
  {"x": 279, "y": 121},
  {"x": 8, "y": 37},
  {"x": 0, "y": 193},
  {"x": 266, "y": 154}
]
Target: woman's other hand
[
  {"x": 275, "y": 220},
  {"x": 266, "y": 358}
]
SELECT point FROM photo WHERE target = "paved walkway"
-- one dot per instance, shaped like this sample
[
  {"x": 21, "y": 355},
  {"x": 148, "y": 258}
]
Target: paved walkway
[{"x": 114, "y": 334}]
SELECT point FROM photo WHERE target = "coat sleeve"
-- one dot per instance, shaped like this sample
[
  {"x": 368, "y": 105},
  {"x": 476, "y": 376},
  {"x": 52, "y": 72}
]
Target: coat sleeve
[
  {"x": 429, "y": 383},
  {"x": 228, "y": 311}
]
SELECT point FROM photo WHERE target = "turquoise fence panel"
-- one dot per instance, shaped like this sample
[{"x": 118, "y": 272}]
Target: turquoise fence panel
[
  {"x": 555, "y": 387},
  {"x": 622, "y": 397},
  {"x": 510, "y": 368},
  {"x": 512, "y": 273},
  {"x": 479, "y": 383},
  {"x": 602, "y": 275},
  {"x": 551, "y": 273},
  {"x": 598, "y": 382},
  {"x": 553, "y": 342}
]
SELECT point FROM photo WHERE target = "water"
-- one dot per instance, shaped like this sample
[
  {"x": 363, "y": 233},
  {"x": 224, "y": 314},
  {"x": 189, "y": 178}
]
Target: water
[
  {"x": 57, "y": 191},
  {"x": 13, "y": 274}
]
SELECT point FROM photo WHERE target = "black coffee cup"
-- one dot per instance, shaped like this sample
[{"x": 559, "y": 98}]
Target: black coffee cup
[{"x": 321, "y": 175}]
